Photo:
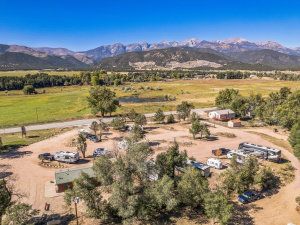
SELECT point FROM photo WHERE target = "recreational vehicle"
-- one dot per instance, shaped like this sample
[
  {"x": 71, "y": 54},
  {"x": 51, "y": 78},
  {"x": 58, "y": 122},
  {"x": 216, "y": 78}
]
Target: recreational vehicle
[
  {"x": 215, "y": 163},
  {"x": 203, "y": 168},
  {"x": 100, "y": 151},
  {"x": 68, "y": 157},
  {"x": 241, "y": 156},
  {"x": 260, "y": 151}
]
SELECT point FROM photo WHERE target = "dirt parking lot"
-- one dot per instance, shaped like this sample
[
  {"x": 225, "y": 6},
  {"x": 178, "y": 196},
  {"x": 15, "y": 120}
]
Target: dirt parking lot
[{"x": 276, "y": 209}]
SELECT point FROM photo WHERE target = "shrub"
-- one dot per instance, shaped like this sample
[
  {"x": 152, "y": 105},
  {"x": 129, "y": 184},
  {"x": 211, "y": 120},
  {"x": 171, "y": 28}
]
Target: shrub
[
  {"x": 29, "y": 89},
  {"x": 170, "y": 118}
]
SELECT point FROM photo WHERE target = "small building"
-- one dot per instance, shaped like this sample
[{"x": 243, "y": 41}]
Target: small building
[
  {"x": 65, "y": 177},
  {"x": 250, "y": 113},
  {"x": 223, "y": 115},
  {"x": 234, "y": 123}
]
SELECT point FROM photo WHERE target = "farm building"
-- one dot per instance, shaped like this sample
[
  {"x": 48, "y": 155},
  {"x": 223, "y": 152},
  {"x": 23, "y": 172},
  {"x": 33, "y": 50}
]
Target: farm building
[
  {"x": 64, "y": 178},
  {"x": 234, "y": 123},
  {"x": 223, "y": 115}
]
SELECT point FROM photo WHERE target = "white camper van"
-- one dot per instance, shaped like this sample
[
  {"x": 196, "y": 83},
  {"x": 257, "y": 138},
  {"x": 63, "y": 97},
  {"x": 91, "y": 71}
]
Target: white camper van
[
  {"x": 68, "y": 157},
  {"x": 215, "y": 163}
]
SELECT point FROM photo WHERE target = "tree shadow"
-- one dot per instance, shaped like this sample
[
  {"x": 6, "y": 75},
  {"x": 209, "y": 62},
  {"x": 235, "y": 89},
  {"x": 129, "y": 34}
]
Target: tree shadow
[
  {"x": 13, "y": 154},
  {"x": 196, "y": 215},
  {"x": 83, "y": 161},
  {"x": 44, "y": 219},
  {"x": 154, "y": 143},
  {"x": 242, "y": 215},
  {"x": 33, "y": 136},
  {"x": 5, "y": 174}
]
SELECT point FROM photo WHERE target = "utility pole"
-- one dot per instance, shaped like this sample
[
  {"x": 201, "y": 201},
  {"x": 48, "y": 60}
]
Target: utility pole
[{"x": 37, "y": 118}]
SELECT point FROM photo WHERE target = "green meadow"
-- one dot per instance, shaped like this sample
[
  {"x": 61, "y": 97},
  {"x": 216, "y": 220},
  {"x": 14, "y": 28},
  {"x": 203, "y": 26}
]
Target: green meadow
[{"x": 69, "y": 103}]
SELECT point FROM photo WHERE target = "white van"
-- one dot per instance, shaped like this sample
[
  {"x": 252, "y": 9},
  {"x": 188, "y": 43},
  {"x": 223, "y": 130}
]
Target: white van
[{"x": 215, "y": 163}]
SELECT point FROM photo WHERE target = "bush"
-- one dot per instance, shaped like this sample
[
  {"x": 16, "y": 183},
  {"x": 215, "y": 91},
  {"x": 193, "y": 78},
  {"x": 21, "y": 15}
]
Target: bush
[
  {"x": 140, "y": 87},
  {"x": 170, "y": 118},
  {"x": 158, "y": 88},
  {"x": 29, "y": 89}
]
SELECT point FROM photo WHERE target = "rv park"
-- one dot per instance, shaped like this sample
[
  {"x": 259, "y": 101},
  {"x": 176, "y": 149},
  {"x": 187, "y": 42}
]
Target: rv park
[{"x": 37, "y": 180}]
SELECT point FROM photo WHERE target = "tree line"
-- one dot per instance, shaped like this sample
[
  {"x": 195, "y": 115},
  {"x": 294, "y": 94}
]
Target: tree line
[{"x": 280, "y": 108}]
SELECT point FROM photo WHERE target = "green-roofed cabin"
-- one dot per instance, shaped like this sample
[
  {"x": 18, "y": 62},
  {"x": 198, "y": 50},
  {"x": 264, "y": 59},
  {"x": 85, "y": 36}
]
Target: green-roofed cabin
[{"x": 65, "y": 177}]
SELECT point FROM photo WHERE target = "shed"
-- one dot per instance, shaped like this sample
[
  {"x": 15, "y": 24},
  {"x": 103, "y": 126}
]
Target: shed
[
  {"x": 65, "y": 177},
  {"x": 234, "y": 123}
]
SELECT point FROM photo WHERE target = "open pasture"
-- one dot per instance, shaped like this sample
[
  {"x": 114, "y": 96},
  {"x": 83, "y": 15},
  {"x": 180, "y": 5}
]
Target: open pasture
[{"x": 65, "y": 103}]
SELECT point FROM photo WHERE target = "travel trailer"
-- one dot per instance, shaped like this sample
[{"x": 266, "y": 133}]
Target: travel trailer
[
  {"x": 241, "y": 156},
  {"x": 203, "y": 168},
  {"x": 67, "y": 157},
  {"x": 100, "y": 151},
  {"x": 260, "y": 151},
  {"x": 215, "y": 163}
]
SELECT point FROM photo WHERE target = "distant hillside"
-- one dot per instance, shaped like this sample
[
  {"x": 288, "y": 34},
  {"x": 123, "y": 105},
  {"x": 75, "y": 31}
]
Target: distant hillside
[
  {"x": 63, "y": 52},
  {"x": 19, "y": 60},
  {"x": 173, "y": 58},
  {"x": 267, "y": 57}
]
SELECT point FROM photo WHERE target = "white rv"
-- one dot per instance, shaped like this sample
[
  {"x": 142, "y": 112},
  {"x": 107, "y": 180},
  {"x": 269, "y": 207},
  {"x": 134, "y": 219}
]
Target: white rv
[
  {"x": 241, "y": 156},
  {"x": 88, "y": 133},
  {"x": 215, "y": 163},
  {"x": 68, "y": 157},
  {"x": 100, "y": 151}
]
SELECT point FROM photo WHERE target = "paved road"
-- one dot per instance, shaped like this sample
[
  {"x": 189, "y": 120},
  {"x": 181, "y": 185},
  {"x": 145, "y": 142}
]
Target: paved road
[{"x": 79, "y": 123}]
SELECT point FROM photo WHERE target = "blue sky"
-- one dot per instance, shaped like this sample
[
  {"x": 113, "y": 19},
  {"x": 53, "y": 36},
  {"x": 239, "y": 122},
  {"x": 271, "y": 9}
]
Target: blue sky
[{"x": 83, "y": 25}]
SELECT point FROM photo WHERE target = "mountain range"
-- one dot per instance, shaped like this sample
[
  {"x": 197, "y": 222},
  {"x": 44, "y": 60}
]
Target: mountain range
[{"x": 267, "y": 53}]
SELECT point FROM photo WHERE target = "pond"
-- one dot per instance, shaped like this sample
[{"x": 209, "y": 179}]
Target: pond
[{"x": 137, "y": 99}]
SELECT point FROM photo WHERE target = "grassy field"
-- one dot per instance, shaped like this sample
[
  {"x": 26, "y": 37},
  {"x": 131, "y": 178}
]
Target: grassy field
[
  {"x": 20, "y": 73},
  {"x": 65, "y": 103},
  {"x": 14, "y": 140}
]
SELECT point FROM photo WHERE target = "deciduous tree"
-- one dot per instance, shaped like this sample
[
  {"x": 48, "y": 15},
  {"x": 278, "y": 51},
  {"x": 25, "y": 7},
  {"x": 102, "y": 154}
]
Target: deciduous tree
[
  {"x": 184, "y": 109},
  {"x": 81, "y": 144}
]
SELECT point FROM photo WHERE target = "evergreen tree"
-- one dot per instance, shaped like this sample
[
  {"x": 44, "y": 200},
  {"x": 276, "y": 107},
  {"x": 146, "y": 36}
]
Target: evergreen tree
[{"x": 159, "y": 116}]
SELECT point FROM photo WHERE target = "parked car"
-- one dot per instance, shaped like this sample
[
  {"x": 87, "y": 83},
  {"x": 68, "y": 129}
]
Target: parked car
[
  {"x": 249, "y": 196},
  {"x": 215, "y": 163},
  {"x": 46, "y": 156},
  {"x": 100, "y": 151},
  {"x": 94, "y": 139},
  {"x": 220, "y": 151}
]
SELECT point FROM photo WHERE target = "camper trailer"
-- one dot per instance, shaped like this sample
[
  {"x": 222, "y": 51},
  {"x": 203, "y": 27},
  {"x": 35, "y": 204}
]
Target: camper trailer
[
  {"x": 86, "y": 132},
  {"x": 67, "y": 157},
  {"x": 241, "y": 156},
  {"x": 100, "y": 151},
  {"x": 260, "y": 151},
  {"x": 203, "y": 168},
  {"x": 215, "y": 163}
]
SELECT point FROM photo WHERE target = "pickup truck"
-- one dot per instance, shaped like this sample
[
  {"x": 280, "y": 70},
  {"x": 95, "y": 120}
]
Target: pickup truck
[
  {"x": 47, "y": 156},
  {"x": 249, "y": 196},
  {"x": 220, "y": 151}
]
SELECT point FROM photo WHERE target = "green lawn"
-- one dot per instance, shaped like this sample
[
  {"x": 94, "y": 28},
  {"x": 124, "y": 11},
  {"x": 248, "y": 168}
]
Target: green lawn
[
  {"x": 14, "y": 140},
  {"x": 64, "y": 103}
]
